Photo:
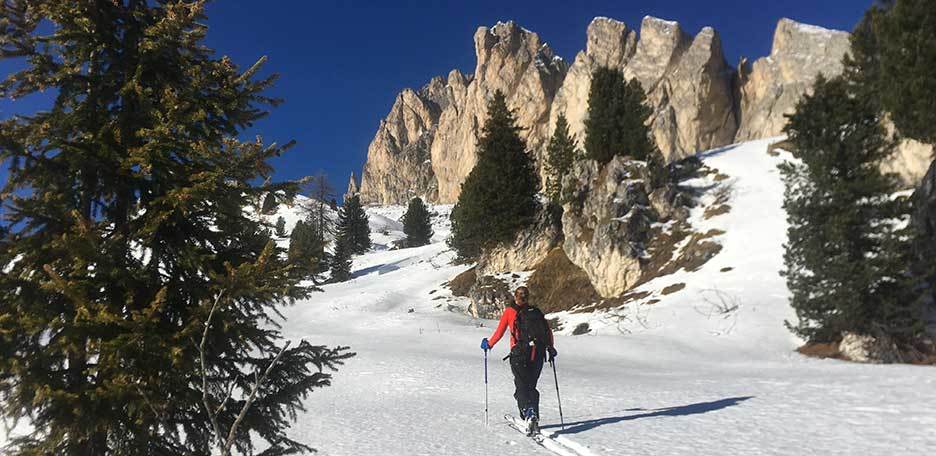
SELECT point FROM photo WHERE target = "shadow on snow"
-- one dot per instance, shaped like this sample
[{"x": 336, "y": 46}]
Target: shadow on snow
[{"x": 691, "y": 409}]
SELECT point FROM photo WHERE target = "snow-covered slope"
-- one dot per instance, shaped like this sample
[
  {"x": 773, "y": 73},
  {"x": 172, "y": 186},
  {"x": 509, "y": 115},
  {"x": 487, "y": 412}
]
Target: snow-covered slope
[
  {"x": 671, "y": 378},
  {"x": 675, "y": 377}
]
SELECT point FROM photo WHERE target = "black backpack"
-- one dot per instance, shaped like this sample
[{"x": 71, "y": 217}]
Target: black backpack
[{"x": 531, "y": 330}]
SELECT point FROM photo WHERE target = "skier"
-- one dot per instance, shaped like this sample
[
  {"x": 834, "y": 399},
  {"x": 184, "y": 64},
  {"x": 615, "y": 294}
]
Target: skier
[{"x": 531, "y": 343}]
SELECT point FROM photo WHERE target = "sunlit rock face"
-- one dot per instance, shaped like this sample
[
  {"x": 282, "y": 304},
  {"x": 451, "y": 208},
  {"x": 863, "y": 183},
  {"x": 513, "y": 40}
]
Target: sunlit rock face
[{"x": 427, "y": 144}]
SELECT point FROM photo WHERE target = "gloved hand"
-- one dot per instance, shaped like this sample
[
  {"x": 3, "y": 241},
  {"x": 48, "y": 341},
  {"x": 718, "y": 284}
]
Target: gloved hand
[
  {"x": 484, "y": 344},
  {"x": 551, "y": 353}
]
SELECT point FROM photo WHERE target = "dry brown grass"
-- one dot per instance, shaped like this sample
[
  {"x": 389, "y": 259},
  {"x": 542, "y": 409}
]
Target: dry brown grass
[
  {"x": 673, "y": 288},
  {"x": 463, "y": 282},
  {"x": 715, "y": 211},
  {"x": 821, "y": 350},
  {"x": 921, "y": 352},
  {"x": 614, "y": 303},
  {"x": 773, "y": 151},
  {"x": 557, "y": 284}
]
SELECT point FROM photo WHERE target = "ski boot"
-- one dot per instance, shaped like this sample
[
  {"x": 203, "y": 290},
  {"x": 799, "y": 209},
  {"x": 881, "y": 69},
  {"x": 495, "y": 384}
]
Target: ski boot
[{"x": 532, "y": 421}]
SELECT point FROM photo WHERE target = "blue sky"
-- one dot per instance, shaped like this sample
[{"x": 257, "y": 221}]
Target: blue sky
[{"x": 342, "y": 63}]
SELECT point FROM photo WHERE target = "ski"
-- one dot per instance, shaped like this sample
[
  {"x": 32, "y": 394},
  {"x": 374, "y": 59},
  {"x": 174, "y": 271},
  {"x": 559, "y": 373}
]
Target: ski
[
  {"x": 541, "y": 439},
  {"x": 520, "y": 426}
]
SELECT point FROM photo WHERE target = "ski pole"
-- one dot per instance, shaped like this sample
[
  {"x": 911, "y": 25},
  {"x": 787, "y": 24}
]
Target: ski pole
[
  {"x": 556, "y": 377},
  {"x": 485, "y": 390}
]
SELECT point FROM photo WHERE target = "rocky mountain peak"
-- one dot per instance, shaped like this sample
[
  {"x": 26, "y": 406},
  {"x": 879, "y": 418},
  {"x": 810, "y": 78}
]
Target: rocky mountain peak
[
  {"x": 609, "y": 42},
  {"x": 772, "y": 85},
  {"x": 426, "y": 145}
]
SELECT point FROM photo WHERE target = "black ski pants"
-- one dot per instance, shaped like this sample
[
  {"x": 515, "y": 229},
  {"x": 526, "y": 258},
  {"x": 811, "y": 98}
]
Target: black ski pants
[{"x": 526, "y": 373}]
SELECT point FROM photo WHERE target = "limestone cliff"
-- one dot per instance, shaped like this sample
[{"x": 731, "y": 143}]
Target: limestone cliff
[
  {"x": 426, "y": 146},
  {"x": 687, "y": 81},
  {"x": 772, "y": 85}
]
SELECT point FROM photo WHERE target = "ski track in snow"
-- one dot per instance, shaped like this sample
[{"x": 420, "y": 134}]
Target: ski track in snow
[{"x": 669, "y": 378}]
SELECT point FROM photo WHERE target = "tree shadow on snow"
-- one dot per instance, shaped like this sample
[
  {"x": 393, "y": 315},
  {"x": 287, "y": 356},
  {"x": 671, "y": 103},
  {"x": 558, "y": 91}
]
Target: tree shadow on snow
[
  {"x": 691, "y": 409},
  {"x": 380, "y": 269}
]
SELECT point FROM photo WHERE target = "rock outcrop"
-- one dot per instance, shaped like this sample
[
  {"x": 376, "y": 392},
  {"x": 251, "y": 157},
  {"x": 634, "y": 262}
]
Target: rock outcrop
[
  {"x": 607, "y": 222},
  {"x": 398, "y": 165},
  {"x": 868, "y": 349},
  {"x": 687, "y": 80},
  {"x": 488, "y": 297},
  {"x": 910, "y": 160},
  {"x": 530, "y": 247},
  {"x": 352, "y": 188},
  {"x": 771, "y": 86}
]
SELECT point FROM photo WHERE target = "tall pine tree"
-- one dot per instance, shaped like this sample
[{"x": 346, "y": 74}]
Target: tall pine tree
[
  {"x": 498, "y": 198},
  {"x": 280, "y": 227},
  {"x": 891, "y": 53},
  {"x": 306, "y": 252},
  {"x": 341, "y": 260},
  {"x": 560, "y": 154},
  {"x": 618, "y": 118},
  {"x": 845, "y": 261},
  {"x": 353, "y": 226},
  {"x": 132, "y": 243},
  {"x": 417, "y": 224}
]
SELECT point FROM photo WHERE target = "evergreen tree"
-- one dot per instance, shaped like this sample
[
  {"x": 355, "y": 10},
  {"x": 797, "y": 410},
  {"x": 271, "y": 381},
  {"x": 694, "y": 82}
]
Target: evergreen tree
[
  {"x": 498, "y": 198},
  {"x": 353, "y": 226},
  {"x": 417, "y": 224},
  {"x": 845, "y": 260},
  {"x": 341, "y": 260},
  {"x": 280, "y": 227},
  {"x": 132, "y": 245},
  {"x": 618, "y": 118},
  {"x": 306, "y": 252},
  {"x": 891, "y": 50},
  {"x": 560, "y": 154},
  {"x": 269, "y": 204},
  {"x": 862, "y": 65},
  {"x": 906, "y": 37}
]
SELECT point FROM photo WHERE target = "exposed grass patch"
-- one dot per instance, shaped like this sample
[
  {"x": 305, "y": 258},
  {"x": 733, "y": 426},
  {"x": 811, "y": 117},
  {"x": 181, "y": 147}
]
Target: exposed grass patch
[
  {"x": 673, "y": 288},
  {"x": 774, "y": 149},
  {"x": 715, "y": 211},
  {"x": 463, "y": 282},
  {"x": 726, "y": 269},
  {"x": 821, "y": 350},
  {"x": 614, "y": 303},
  {"x": 557, "y": 284}
]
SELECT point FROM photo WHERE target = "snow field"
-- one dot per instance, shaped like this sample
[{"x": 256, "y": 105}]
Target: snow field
[{"x": 670, "y": 378}]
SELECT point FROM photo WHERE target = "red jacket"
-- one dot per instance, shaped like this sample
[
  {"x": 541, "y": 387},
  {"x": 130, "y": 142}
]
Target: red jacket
[{"x": 508, "y": 319}]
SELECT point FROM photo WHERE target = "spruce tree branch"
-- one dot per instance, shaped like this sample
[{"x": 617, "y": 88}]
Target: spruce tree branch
[
  {"x": 159, "y": 416},
  {"x": 204, "y": 373},
  {"x": 251, "y": 71},
  {"x": 253, "y": 394},
  {"x": 227, "y": 397}
]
